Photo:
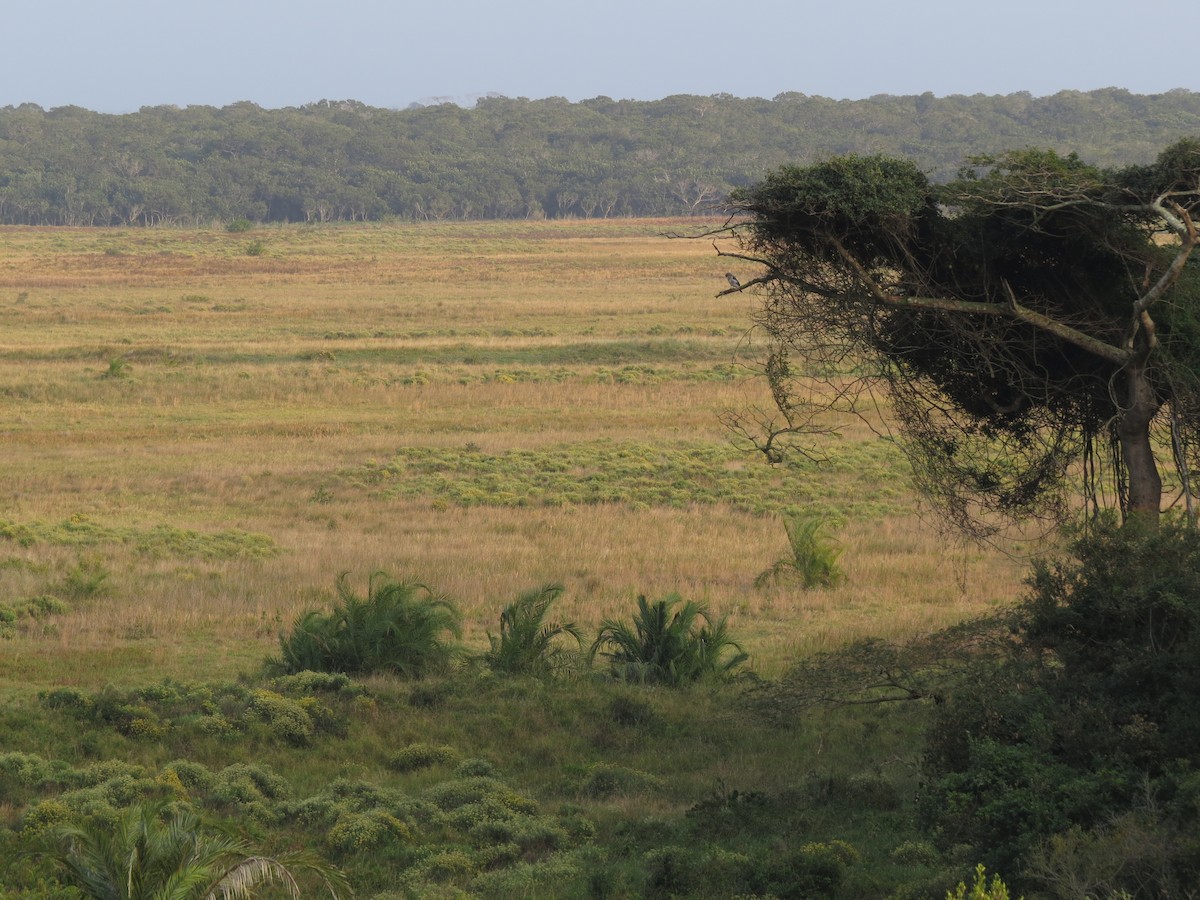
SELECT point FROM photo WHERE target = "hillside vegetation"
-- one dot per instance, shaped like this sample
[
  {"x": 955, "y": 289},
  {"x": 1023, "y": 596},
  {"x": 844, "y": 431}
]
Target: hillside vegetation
[{"x": 517, "y": 158}]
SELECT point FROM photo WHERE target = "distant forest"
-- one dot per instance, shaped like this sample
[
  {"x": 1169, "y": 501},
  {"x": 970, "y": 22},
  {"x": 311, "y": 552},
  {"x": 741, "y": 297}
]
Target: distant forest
[{"x": 516, "y": 158}]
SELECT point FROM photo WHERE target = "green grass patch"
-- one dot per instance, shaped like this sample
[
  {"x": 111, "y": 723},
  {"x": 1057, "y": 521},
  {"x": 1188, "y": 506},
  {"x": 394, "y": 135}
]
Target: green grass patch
[
  {"x": 642, "y": 473},
  {"x": 159, "y": 540}
]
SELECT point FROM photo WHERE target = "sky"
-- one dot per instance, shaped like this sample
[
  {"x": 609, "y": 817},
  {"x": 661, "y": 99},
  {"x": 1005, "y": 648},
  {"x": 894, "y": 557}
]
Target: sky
[{"x": 116, "y": 56}]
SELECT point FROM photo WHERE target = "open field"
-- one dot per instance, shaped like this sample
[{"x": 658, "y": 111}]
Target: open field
[
  {"x": 213, "y": 426},
  {"x": 203, "y": 430}
]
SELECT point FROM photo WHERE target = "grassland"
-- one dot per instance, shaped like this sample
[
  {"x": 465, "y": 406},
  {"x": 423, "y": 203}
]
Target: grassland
[
  {"x": 202, "y": 430},
  {"x": 395, "y": 397}
]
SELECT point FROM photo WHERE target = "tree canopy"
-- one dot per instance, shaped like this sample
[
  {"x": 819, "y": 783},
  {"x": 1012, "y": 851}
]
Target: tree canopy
[
  {"x": 514, "y": 157},
  {"x": 1034, "y": 318}
]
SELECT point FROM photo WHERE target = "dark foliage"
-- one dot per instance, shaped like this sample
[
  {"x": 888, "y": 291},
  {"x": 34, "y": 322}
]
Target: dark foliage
[
  {"x": 874, "y": 671},
  {"x": 1091, "y": 717},
  {"x": 515, "y": 158},
  {"x": 1036, "y": 312}
]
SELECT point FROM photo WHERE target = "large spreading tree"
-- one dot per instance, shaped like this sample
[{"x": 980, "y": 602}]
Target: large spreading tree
[{"x": 1036, "y": 322}]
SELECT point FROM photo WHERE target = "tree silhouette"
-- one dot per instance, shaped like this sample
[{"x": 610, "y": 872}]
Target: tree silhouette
[{"x": 1034, "y": 320}]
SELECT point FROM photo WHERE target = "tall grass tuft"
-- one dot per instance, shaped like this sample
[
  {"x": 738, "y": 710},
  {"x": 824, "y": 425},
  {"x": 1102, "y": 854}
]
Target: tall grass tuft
[
  {"x": 528, "y": 644},
  {"x": 668, "y": 642},
  {"x": 813, "y": 561},
  {"x": 400, "y": 627}
]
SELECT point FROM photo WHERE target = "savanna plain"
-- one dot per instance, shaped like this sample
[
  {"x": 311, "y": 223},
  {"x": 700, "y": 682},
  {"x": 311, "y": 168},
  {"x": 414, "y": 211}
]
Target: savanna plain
[{"x": 204, "y": 430}]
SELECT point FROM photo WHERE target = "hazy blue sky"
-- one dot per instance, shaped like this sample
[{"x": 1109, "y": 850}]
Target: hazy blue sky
[{"x": 118, "y": 55}]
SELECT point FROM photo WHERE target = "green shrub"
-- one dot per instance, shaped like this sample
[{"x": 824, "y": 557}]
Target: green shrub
[
  {"x": 192, "y": 775},
  {"x": 421, "y": 756},
  {"x": 475, "y": 768},
  {"x": 33, "y": 608},
  {"x": 287, "y": 719},
  {"x": 1091, "y": 710},
  {"x": 816, "y": 869},
  {"x": 527, "y": 644},
  {"x": 86, "y": 580},
  {"x": 65, "y": 698},
  {"x": 550, "y": 877},
  {"x": 859, "y": 791},
  {"x": 447, "y": 866},
  {"x": 667, "y": 644},
  {"x": 633, "y": 712},
  {"x": 45, "y": 815},
  {"x": 118, "y": 367},
  {"x": 813, "y": 561},
  {"x": 449, "y": 796},
  {"x": 673, "y": 871},
  {"x": 309, "y": 682},
  {"x": 247, "y": 786},
  {"x": 604, "y": 780},
  {"x": 239, "y": 226},
  {"x": 365, "y": 831},
  {"x": 399, "y": 628}
]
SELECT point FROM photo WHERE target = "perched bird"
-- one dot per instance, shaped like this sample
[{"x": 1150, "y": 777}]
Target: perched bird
[{"x": 733, "y": 282}]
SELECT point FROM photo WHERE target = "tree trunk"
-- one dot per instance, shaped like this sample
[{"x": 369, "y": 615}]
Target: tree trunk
[{"x": 1133, "y": 430}]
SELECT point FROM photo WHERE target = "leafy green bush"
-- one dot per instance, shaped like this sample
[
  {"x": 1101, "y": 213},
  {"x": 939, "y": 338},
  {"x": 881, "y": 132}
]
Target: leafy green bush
[
  {"x": 667, "y": 644},
  {"x": 399, "y": 628},
  {"x": 421, "y": 756},
  {"x": 813, "y": 561},
  {"x": 86, "y": 580},
  {"x": 604, "y": 780},
  {"x": 1091, "y": 711},
  {"x": 28, "y": 608},
  {"x": 356, "y": 831},
  {"x": 170, "y": 707},
  {"x": 526, "y": 644},
  {"x": 683, "y": 872},
  {"x": 286, "y": 717},
  {"x": 308, "y": 682}
]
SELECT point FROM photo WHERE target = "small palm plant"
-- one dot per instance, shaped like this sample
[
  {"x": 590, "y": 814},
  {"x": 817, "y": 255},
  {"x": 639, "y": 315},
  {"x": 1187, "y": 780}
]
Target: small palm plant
[
  {"x": 151, "y": 852},
  {"x": 527, "y": 643},
  {"x": 669, "y": 642},
  {"x": 399, "y": 627},
  {"x": 813, "y": 561}
]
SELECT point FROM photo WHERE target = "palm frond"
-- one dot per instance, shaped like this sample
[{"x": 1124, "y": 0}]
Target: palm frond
[
  {"x": 668, "y": 642},
  {"x": 526, "y": 643}
]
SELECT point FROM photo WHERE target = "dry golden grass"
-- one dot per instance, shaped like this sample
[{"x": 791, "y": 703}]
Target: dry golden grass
[{"x": 154, "y": 378}]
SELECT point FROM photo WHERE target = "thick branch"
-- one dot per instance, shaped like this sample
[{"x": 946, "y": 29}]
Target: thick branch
[
  {"x": 1188, "y": 239},
  {"x": 1012, "y": 309}
]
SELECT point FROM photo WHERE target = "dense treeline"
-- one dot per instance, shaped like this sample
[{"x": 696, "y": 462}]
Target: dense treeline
[{"x": 513, "y": 158}]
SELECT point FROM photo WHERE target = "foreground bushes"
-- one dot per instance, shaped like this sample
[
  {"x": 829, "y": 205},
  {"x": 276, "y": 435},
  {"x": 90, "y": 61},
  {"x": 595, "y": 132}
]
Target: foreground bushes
[
  {"x": 155, "y": 851},
  {"x": 1073, "y": 758}
]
